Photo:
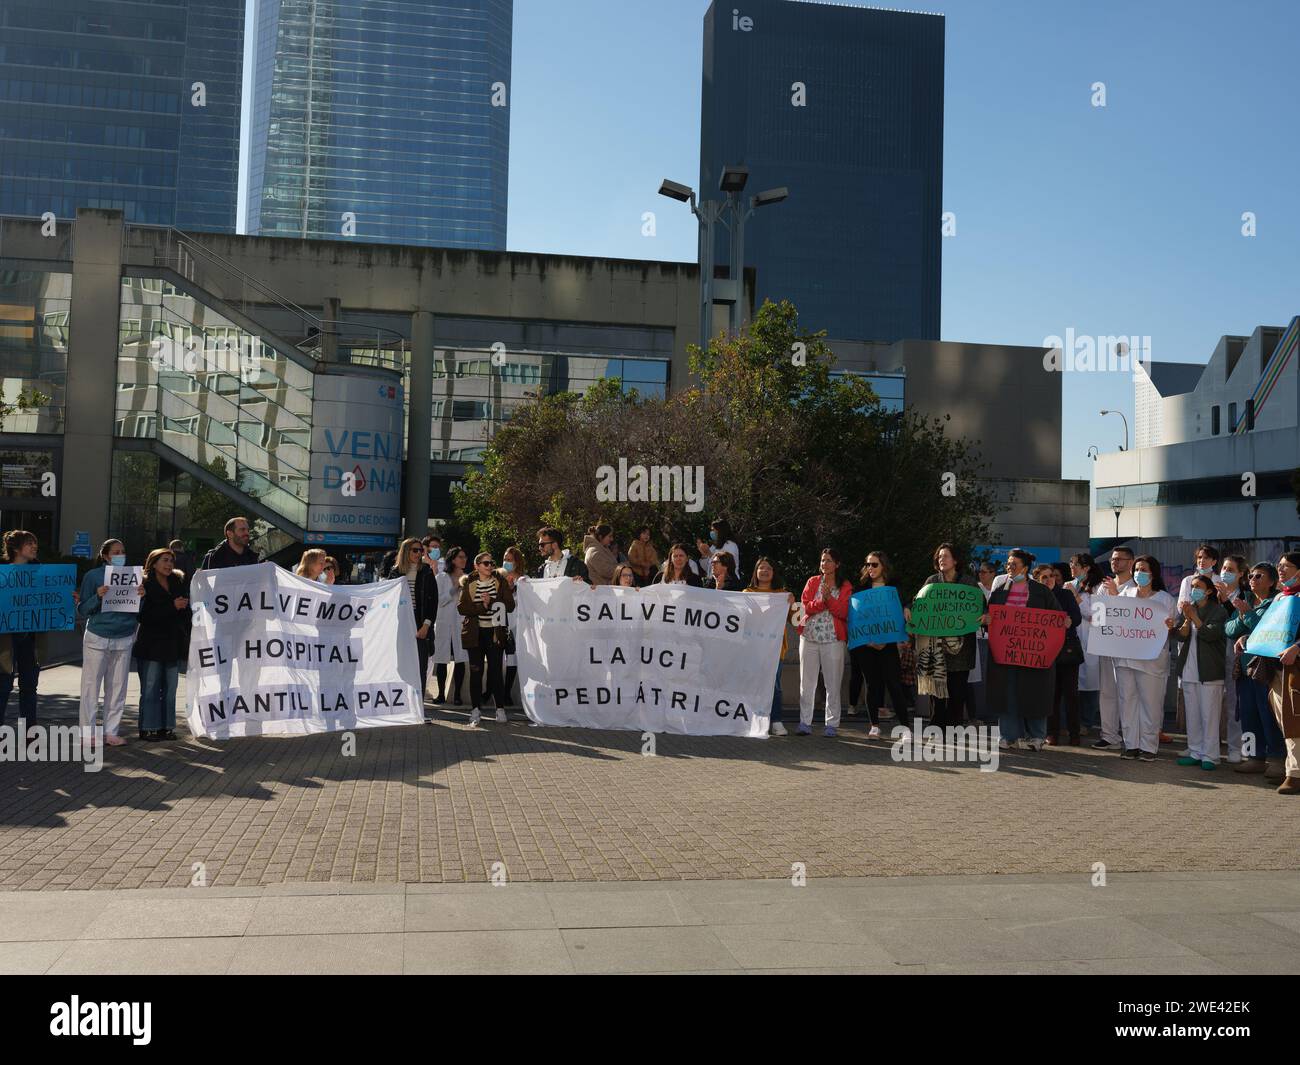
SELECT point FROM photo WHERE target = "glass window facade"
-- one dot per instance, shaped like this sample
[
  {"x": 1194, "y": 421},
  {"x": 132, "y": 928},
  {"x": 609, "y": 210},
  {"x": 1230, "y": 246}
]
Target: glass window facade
[
  {"x": 382, "y": 109},
  {"x": 856, "y": 247},
  {"x": 35, "y": 313},
  {"x": 889, "y": 388},
  {"x": 1274, "y": 485},
  {"x": 222, "y": 398},
  {"x": 96, "y": 111}
]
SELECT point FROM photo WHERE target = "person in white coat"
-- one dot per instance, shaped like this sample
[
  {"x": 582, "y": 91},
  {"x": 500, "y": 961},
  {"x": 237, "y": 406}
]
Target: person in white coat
[
  {"x": 1141, "y": 683},
  {"x": 447, "y": 648},
  {"x": 1087, "y": 579},
  {"x": 105, "y": 648}
]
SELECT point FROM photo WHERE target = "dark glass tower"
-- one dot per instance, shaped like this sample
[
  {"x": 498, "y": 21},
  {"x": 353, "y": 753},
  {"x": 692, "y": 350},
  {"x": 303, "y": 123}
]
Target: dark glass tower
[
  {"x": 856, "y": 247},
  {"x": 382, "y": 109},
  {"x": 96, "y": 109}
]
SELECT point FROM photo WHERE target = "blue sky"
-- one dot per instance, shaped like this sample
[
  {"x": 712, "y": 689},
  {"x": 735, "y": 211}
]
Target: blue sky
[{"x": 1122, "y": 220}]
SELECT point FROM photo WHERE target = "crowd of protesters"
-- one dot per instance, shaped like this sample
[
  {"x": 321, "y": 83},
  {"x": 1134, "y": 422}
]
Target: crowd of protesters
[{"x": 464, "y": 612}]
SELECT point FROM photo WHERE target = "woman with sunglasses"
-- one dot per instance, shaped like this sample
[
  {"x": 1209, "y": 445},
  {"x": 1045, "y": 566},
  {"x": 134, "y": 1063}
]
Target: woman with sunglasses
[
  {"x": 877, "y": 663},
  {"x": 486, "y": 598},
  {"x": 423, "y": 583},
  {"x": 723, "y": 579},
  {"x": 447, "y": 647}
]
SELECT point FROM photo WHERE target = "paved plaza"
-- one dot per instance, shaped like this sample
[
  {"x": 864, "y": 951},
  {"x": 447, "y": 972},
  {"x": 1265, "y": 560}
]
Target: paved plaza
[{"x": 385, "y": 859}]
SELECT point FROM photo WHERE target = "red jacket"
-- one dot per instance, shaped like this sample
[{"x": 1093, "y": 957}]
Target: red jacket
[{"x": 839, "y": 606}]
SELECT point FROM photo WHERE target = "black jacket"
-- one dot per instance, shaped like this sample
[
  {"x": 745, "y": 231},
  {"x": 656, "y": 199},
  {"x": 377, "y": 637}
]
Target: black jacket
[
  {"x": 691, "y": 578},
  {"x": 164, "y": 633},
  {"x": 425, "y": 602},
  {"x": 222, "y": 557},
  {"x": 573, "y": 567}
]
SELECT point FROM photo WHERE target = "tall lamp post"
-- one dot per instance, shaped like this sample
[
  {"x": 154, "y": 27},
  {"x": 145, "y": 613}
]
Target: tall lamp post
[
  {"x": 1125, "y": 420},
  {"x": 732, "y": 212}
]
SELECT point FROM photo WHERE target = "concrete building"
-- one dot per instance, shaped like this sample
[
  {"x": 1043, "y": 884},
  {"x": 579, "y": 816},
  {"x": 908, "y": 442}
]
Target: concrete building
[
  {"x": 1216, "y": 450},
  {"x": 391, "y": 117},
  {"x": 186, "y": 385},
  {"x": 843, "y": 105}
]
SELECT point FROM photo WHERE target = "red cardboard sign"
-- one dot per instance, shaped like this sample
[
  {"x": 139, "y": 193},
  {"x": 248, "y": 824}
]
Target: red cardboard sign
[{"x": 1026, "y": 637}]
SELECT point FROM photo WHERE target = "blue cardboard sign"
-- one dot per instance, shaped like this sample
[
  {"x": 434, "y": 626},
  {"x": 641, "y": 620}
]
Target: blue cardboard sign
[
  {"x": 876, "y": 616},
  {"x": 36, "y": 598},
  {"x": 1277, "y": 629}
]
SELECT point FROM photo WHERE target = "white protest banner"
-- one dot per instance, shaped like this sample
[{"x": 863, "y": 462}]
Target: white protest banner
[
  {"x": 120, "y": 595},
  {"x": 1131, "y": 628},
  {"x": 275, "y": 654},
  {"x": 665, "y": 658}
]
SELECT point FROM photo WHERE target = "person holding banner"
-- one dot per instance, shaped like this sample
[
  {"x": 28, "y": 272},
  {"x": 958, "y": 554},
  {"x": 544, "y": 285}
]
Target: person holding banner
[
  {"x": 1120, "y": 583},
  {"x": 555, "y": 563},
  {"x": 677, "y": 568},
  {"x": 162, "y": 640},
  {"x": 823, "y": 641},
  {"x": 20, "y": 653},
  {"x": 1201, "y": 670},
  {"x": 766, "y": 581},
  {"x": 447, "y": 648},
  {"x": 105, "y": 647},
  {"x": 944, "y": 663},
  {"x": 423, "y": 584},
  {"x": 312, "y": 565},
  {"x": 877, "y": 663},
  {"x": 1252, "y": 695},
  {"x": 486, "y": 598},
  {"x": 1022, "y": 695},
  {"x": 1141, "y": 682},
  {"x": 625, "y": 576}
]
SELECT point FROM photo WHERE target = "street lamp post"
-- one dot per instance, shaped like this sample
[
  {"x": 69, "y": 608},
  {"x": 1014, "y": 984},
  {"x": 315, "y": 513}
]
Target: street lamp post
[
  {"x": 733, "y": 213},
  {"x": 1125, "y": 420}
]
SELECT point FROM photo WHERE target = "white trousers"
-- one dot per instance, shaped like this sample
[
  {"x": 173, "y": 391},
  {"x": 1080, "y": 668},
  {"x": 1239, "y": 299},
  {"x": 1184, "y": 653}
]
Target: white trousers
[
  {"x": 105, "y": 663},
  {"x": 1141, "y": 707},
  {"x": 1203, "y": 703},
  {"x": 1293, "y": 758},
  {"x": 828, "y": 660},
  {"x": 1109, "y": 700}
]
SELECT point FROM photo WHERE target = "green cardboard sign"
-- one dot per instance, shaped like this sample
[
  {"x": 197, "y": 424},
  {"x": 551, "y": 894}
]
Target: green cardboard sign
[{"x": 943, "y": 609}]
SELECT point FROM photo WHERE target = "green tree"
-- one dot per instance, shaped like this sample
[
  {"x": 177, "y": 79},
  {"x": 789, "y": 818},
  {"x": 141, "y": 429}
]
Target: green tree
[{"x": 794, "y": 458}]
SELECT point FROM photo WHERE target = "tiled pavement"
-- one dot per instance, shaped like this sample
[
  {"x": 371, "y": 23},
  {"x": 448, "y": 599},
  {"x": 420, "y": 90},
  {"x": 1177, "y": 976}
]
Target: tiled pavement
[
  {"x": 443, "y": 804},
  {"x": 1143, "y": 923}
]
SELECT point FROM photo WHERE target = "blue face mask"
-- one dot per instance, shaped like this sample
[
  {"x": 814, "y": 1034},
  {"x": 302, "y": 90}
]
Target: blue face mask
[
  {"x": 1198, "y": 594},
  {"x": 1230, "y": 579},
  {"x": 1019, "y": 577},
  {"x": 435, "y": 553},
  {"x": 509, "y": 567},
  {"x": 117, "y": 560},
  {"x": 713, "y": 535},
  {"x": 1142, "y": 578},
  {"x": 1291, "y": 583},
  {"x": 1204, "y": 571}
]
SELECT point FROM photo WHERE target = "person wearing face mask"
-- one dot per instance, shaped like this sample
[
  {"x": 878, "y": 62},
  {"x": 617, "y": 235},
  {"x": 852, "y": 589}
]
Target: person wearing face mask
[
  {"x": 1141, "y": 683},
  {"x": 105, "y": 647},
  {"x": 1022, "y": 696},
  {"x": 433, "y": 552},
  {"x": 1119, "y": 583},
  {"x": 720, "y": 539},
  {"x": 486, "y": 600},
  {"x": 1201, "y": 669},
  {"x": 1228, "y": 583},
  {"x": 1288, "y": 574},
  {"x": 944, "y": 663}
]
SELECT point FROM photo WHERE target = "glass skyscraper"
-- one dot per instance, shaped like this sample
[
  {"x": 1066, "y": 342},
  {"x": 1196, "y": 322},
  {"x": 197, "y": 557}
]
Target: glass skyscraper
[
  {"x": 383, "y": 111},
  {"x": 98, "y": 109},
  {"x": 856, "y": 247}
]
